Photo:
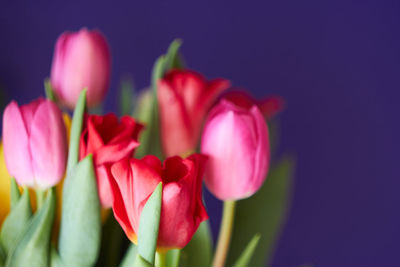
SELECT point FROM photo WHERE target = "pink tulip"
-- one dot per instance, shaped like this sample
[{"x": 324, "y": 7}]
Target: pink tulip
[
  {"x": 236, "y": 141},
  {"x": 35, "y": 143},
  {"x": 81, "y": 60}
]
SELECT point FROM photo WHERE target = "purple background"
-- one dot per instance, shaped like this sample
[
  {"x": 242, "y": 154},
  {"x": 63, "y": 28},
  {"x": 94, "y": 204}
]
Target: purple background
[{"x": 337, "y": 64}]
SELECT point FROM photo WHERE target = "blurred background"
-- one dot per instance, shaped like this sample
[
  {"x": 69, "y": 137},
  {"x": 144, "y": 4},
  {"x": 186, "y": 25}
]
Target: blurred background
[{"x": 335, "y": 63}]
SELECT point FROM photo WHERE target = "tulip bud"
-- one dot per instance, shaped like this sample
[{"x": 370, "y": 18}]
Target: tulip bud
[
  {"x": 182, "y": 208},
  {"x": 184, "y": 98},
  {"x": 236, "y": 141},
  {"x": 35, "y": 143},
  {"x": 81, "y": 60}
]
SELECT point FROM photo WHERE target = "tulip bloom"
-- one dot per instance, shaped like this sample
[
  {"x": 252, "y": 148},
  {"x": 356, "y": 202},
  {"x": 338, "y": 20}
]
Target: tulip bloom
[
  {"x": 35, "y": 143},
  {"x": 236, "y": 141},
  {"x": 182, "y": 208},
  {"x": 184, "y": 98},
  {"x": 269, "y": 106},
  {"x": 81, "y": 60},
  {"x": 109, "y": 141}
]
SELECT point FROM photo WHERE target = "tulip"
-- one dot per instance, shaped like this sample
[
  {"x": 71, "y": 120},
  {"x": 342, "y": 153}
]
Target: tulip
[
  {"x": 81, "y": 60},
  {"x": 35, "y": 143},
  {"x": 184, "y": 98},
  {"x": 236, "y": 141},
  {"x": 269, "y": 106},
  {"x": 109, "y": 141},
  {"x": 182, "y": 208}
]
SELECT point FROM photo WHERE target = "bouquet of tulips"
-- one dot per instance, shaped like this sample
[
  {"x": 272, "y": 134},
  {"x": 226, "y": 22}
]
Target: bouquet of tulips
[{"x": 72, "y": 186}]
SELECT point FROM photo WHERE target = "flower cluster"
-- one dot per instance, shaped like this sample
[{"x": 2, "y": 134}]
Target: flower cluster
[{"x": 205, "y": 131}]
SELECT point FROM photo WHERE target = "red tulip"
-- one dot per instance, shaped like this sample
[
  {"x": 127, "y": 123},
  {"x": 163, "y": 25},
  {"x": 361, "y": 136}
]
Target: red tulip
[
  {"x": 182, "y": 207},
  {"x": 81, "y": 60},
  {"x": 109, "y": 141},
  {"x": 236, "y": 141},
  {"x": 35, "y": 143},
  {"x": 269, "y": 106},
  {"x": 184, "y": 99}
]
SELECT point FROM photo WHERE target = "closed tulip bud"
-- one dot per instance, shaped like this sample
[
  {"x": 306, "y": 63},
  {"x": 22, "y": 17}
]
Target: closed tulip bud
[
  {"x": 184, "y": 98},
  {"x": 81, "y": 60},
  {"x": 35, "y": 143},
  {"x": 236, "y": 141},
  {"x": 182, "y": 208}
]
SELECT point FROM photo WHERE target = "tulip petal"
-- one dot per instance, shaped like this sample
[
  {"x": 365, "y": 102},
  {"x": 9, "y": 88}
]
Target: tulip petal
[
  {"x": 114, "y": 152},
  {"x": 16, "y": 146},
  {"x": 48, "y": 142},
  {"x": 104, "y": 186},
  {"x": 262, "y": 153},
  {"x": 176, "y": 129}
]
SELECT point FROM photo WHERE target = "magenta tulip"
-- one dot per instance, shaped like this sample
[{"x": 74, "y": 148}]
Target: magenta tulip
[
  {"x": 81, "y": 60},
  {"x": 35, "y": 143},
  {"x": 236, "y": 141}
]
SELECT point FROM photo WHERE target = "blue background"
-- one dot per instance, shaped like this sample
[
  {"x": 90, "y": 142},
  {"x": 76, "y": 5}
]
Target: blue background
[{"x": 336, "y": 63}]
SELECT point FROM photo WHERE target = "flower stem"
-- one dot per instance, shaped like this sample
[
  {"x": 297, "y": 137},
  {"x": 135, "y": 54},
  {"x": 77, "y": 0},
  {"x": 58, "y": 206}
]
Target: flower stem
[
  {"x": 39, "y": 198},
  {"x": 225, "y": 233},
  {"x": 161, "y": 260}
]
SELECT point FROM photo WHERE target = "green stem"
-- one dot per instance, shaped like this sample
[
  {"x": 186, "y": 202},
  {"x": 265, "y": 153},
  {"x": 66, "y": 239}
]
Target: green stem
[
  {"x": 225, "y": 233},
  {"x": 161, "y": 259},
  {"x": 39, "y": 198}
]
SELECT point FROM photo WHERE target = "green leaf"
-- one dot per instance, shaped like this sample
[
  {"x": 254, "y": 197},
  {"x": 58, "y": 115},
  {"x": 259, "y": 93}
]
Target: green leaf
[
  {"x": 34, "y": 247},
  {"x": 76, "y": 130},
  {"x": 245, "y": 258},
  {"x": 2, "y": 256},
  {"x": 172, "y": 59},
  {"x": 55, "y": 259},
  {"x": 150, "y": 142},
  {"x": 129, "y": 256},
  {"x": 14, "y": 193},
  {"x": 140, "y": 262},
  {"x": 172, "y": 257},
  {"x": 263, "y": 213},
  {"x": 148, "y": 225},
  {"x": 49, "y": 90},
  {"x": 199, "y": 251},
  {"x": 80, "y": 232},
  {"x": 144, "y": 113},
  {"x": 112, "y": 238},
  {"x": 126, "y": 97},
  {"x": 16, "y": 222}
]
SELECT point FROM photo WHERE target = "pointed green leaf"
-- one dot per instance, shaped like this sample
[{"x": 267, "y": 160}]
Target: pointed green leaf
[
  {"x": 172, "y": 58},
  {"x": 14, "y": 193},
  {"x": 148, "y": 225},
  {"x": 80, "y": 232},
  {"x": 244, "y": 259},
  {"x": 76, "y": 130},
  {"x": 263, "y": 213},
  {"x": 16, "y": 222},
  {"x": 198, "y": 252},
  {"x": 172, "y": 257},
  {"x": 140, "y": 262},
  {"x": 129, "y": 256},
  {"x": 34, "y": 246},
  {"x": 49, "y": 90},
  {"x": 150, "y": 142}
]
